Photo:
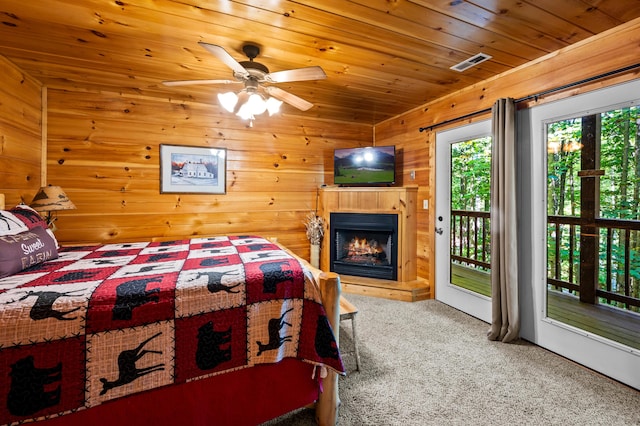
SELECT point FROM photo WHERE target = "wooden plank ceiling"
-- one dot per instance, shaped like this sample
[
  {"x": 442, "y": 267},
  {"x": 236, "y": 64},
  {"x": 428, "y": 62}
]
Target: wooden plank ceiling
[{"x": 381, "y": 57}]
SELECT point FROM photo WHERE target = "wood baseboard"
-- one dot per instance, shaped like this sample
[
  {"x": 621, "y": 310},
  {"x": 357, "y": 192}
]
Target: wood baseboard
[{"x": 407, "y": 291}]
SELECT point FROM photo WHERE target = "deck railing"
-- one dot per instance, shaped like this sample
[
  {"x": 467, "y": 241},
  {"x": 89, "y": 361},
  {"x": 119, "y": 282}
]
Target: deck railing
[
  {"x": 618, "y": 255},
  {"x": 470, "y": 243},
  {"x": 618, "y": 259}
]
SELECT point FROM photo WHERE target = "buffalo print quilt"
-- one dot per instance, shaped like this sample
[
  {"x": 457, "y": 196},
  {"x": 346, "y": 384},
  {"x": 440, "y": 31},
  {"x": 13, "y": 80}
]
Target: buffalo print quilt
[{"x": 102, "y": 322}]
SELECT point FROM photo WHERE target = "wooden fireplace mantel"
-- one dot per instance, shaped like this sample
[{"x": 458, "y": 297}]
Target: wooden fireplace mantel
[{"x": 390, "y": 200}]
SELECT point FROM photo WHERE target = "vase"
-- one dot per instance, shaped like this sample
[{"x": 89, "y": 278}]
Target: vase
[{"x": 315, "y": 255}]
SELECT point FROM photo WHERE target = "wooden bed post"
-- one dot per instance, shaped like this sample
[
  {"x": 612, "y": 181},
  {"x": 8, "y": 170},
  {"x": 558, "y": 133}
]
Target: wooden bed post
[{"x": 328, "y": 402}]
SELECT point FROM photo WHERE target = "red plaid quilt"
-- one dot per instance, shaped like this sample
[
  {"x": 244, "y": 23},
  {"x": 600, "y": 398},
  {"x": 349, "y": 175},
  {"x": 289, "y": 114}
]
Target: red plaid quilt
[{"x": 102, "y": 322}]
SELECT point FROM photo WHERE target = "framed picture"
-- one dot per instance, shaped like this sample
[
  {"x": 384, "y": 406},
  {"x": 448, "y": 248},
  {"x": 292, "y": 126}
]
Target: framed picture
[{"x": 191, "y": 169}]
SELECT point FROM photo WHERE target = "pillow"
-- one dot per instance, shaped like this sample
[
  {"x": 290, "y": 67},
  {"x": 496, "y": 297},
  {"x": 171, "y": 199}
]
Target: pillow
[
  {"x": 21, "y": 218},
  {"x": 25, "y": 249}
]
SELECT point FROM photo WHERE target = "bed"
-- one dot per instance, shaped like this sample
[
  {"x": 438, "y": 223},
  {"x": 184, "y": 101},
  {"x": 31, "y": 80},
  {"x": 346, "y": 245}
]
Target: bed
[{"x": 214, "y": 330}]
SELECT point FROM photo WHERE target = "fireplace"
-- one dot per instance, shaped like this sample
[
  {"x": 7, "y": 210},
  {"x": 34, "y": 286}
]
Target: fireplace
[
  {"x": 364, "y": 244},
  {"x": 389, "y": 210}
]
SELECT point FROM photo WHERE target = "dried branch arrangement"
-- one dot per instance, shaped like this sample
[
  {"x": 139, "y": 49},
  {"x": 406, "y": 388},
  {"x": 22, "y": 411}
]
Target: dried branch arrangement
[{"x": 315, "y": 228}]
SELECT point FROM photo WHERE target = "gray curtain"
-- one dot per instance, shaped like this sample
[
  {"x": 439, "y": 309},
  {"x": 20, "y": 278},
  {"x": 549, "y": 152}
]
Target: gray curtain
[{"x": 505, "y": 317}]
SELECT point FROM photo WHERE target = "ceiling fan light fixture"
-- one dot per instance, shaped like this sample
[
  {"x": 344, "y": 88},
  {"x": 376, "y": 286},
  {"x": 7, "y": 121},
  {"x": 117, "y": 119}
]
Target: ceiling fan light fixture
[
  {"x": 245, "y": 112},
  {"x": 273, "y": 106},
  {"x": 228, "y": 100},
  {"x": 256, "y": 103}
]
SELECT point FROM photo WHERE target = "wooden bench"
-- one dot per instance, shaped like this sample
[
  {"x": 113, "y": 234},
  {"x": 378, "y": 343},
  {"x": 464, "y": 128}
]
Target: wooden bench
[{"x": 349, "y": 311}]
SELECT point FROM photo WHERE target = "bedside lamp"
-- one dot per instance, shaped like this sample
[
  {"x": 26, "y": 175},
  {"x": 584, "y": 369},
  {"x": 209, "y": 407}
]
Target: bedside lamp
[{"x": 49, "y": 199}]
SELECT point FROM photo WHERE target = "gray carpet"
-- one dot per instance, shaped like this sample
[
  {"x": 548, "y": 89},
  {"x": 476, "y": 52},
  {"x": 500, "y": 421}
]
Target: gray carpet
[{"x": 425, "y": 363}]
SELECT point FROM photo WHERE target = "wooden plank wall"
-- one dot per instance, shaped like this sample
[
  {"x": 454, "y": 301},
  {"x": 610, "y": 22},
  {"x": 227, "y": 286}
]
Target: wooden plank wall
[
  {"x": 103, "y": 149},
  {"x": 21, "y": 154},
  {"x": 609, "y": 51}
]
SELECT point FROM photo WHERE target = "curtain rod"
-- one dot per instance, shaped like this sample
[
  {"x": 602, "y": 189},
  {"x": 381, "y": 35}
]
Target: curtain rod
[{"x": 537, "y": 95}]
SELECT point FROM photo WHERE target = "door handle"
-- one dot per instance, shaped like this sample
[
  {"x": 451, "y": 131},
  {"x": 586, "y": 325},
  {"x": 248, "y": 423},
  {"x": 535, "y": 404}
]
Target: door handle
[{"x": 439, "y": 231}]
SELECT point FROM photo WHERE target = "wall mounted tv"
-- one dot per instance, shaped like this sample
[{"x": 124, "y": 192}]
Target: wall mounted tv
[{"x": 372, "y": 165}]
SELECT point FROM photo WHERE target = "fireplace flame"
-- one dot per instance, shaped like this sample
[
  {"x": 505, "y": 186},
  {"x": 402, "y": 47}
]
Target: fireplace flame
[{"x": 363, "y": 247}]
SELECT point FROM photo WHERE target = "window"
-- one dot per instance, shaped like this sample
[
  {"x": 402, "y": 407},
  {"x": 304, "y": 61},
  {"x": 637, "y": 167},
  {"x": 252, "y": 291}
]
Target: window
[
  {"x": 470, "y": 208},
  {"x": 593, "y": 214}
]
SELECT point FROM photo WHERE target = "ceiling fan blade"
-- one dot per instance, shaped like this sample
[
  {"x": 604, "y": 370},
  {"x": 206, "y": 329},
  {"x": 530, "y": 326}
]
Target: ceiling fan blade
[
  {"x": 289, "y": 98},
  {"x": 187, "y": 82},
  {"x": 299, "y": 74},
  {"x": 226, "y": 58}
]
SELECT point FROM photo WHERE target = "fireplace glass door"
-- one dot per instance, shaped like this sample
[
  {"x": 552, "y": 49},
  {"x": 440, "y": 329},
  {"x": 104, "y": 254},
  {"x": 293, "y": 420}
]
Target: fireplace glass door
[{"x": 364, "y": 244}]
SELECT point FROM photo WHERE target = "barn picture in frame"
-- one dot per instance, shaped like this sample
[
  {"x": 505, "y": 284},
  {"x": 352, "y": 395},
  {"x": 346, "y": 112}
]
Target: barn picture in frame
[{"x": 191, "y": 169}]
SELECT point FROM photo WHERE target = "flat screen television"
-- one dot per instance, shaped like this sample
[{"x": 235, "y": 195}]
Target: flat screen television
[{"x": 372, "y": 165}]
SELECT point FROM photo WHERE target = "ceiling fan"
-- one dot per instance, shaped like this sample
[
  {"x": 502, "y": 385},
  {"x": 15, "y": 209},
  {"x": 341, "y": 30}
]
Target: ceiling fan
[{"x": 256, "y": 77}]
